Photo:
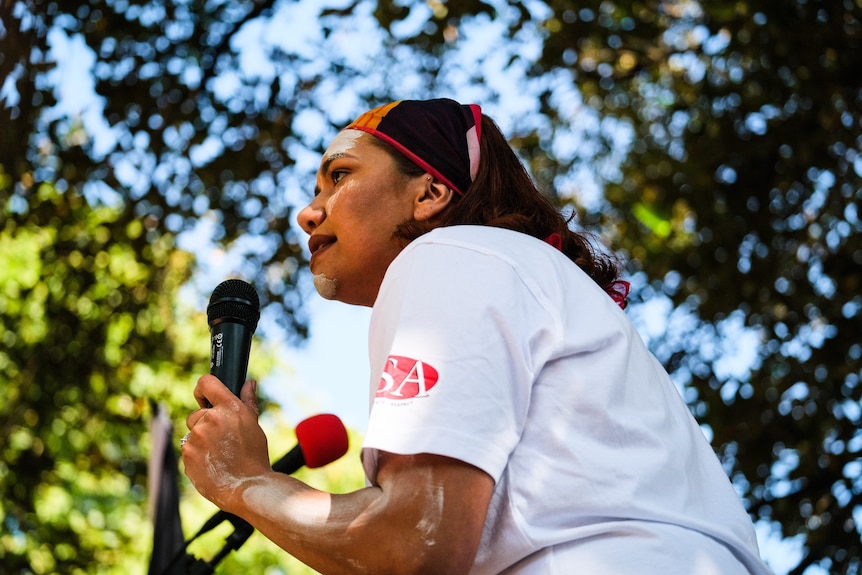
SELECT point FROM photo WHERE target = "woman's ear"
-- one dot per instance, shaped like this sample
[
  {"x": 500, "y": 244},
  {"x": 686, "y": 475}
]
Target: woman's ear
[{"x": 432, "y": 200}]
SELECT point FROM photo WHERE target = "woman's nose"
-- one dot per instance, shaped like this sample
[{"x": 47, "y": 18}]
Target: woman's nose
[{"x": 311, "y": 216}]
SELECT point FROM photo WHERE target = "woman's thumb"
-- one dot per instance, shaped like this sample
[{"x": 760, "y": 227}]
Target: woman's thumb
[{"x": 248, "y": 395}]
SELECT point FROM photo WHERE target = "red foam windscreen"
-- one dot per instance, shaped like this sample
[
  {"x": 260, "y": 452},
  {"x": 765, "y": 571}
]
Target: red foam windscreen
[{"x": 322, "y": 438}]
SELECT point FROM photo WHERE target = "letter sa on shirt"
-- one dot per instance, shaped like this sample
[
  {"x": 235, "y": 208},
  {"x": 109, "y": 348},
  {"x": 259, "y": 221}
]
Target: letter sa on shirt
[{"x": 406, "y": 378}]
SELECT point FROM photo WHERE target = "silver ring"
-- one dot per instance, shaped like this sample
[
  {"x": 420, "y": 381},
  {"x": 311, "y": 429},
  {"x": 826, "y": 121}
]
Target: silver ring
[{"x": 185, "y": 438}]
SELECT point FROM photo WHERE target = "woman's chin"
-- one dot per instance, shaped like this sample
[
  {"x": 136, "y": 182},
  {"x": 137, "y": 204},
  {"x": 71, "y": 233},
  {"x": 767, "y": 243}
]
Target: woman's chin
[{"x": 325, "y": 286}]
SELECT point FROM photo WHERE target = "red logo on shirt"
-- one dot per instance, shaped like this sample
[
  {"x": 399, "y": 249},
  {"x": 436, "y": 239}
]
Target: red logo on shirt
[{"x": 406, "y": 378}]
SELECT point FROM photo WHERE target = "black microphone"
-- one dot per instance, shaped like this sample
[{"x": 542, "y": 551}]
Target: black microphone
[
  {"x": 232, "y": 314},
  {"x": 321, "y": 439}
]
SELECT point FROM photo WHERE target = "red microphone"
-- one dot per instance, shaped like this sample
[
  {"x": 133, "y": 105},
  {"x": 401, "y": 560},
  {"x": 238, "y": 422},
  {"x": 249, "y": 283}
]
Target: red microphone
[{"x": 322, "y": 439}]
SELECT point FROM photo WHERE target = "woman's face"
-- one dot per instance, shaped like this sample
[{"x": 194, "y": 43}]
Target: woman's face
[{"x": 359, "y": 200}]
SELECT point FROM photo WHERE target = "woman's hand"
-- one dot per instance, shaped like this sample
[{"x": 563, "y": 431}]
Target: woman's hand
[{"x": 225, "y": 446}]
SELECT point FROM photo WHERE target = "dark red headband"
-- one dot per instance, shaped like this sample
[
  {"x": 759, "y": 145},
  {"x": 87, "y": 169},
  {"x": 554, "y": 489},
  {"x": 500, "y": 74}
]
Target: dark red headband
[{"x": 440, "y": 136}]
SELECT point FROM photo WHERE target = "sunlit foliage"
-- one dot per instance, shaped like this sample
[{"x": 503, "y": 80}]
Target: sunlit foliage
[{"x": 716, "y": 144}]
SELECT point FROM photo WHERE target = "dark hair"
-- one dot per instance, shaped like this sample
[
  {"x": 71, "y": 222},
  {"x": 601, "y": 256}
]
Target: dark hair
[{"x": 504, "y": 195}]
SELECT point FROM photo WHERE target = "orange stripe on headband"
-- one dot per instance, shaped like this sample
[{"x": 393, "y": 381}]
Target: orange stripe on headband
[{"x": 372, "y": 118}]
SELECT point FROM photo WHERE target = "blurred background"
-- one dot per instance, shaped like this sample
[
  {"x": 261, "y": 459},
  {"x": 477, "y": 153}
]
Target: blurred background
[{"x": 151, "y": 149}]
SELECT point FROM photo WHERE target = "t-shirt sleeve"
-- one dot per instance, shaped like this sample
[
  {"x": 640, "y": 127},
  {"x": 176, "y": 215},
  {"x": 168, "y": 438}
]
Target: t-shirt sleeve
[{"x": 456, "y": 339}]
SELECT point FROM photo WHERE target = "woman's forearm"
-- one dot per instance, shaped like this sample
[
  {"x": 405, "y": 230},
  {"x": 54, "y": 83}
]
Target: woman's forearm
[
  {"x": 322, "y": 530},
  {"x": 405, "y": 526}
]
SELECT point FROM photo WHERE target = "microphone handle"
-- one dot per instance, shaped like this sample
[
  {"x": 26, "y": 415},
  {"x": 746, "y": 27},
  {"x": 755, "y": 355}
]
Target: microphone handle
[
  {"x": 230, "y": 346},
  {"x": 291, "y": 462}
]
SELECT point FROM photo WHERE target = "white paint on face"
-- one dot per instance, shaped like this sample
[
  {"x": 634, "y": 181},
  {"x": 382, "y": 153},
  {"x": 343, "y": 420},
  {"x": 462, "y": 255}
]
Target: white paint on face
[
  {"x": 343, "y": 142},
  {"x": 326, "y": 287}
]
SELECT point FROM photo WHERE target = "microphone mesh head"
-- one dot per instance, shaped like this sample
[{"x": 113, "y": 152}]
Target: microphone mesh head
[{"x": 236, "y": 300}]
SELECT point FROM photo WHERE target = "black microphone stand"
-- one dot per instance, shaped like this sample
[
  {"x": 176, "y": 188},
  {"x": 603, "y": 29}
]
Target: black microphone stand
[{"x": 187, "y": 564}]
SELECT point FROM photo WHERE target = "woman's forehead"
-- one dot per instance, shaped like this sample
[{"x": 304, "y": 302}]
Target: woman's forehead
[{"x": 343, "y": 142}]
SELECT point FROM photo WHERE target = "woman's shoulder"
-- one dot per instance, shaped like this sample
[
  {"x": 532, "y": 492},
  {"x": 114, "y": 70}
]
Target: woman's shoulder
[
  {"x": 489, "y": 254},
  {"x": 483, "y": 238}
]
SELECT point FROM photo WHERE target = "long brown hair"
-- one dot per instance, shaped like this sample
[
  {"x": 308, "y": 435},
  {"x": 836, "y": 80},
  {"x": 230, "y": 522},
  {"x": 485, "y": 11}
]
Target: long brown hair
[{"x": 504, "y": 195}]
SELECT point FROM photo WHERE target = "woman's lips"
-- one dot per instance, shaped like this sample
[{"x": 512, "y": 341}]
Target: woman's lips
[{"x": 319, "y": 242}]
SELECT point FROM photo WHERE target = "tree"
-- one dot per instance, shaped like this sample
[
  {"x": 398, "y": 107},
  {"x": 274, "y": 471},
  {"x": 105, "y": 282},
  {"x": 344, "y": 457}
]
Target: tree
[
  {"x": 87, "y": 336},
  {"x": 724, "y": 138},
  {"x": 89, "y": 268},
  {"x": 738, "y": 201},
  {"x": 92, "y": 332},
  {"x": 174, "y": 151}
]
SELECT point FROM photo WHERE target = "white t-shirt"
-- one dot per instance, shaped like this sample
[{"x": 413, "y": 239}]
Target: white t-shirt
[{"x": 491, "y": 347}]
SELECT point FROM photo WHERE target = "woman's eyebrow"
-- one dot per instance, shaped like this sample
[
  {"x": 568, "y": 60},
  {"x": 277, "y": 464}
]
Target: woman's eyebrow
[{"x": 324, "y": 166}]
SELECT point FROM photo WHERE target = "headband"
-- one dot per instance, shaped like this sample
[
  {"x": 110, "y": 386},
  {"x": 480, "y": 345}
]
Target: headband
[{"x": 440, "y": 136}]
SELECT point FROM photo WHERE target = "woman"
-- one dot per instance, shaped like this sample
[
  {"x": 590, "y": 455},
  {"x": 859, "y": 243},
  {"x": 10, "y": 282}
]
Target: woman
[{"x": 518, "y": 424}]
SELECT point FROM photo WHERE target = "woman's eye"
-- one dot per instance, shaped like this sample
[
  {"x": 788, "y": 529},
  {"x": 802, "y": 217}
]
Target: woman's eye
[{"x": 336, "y": 176}]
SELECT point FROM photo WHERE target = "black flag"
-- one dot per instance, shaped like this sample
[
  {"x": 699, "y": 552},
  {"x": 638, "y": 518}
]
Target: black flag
[{"x": 164, "y": 493}]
